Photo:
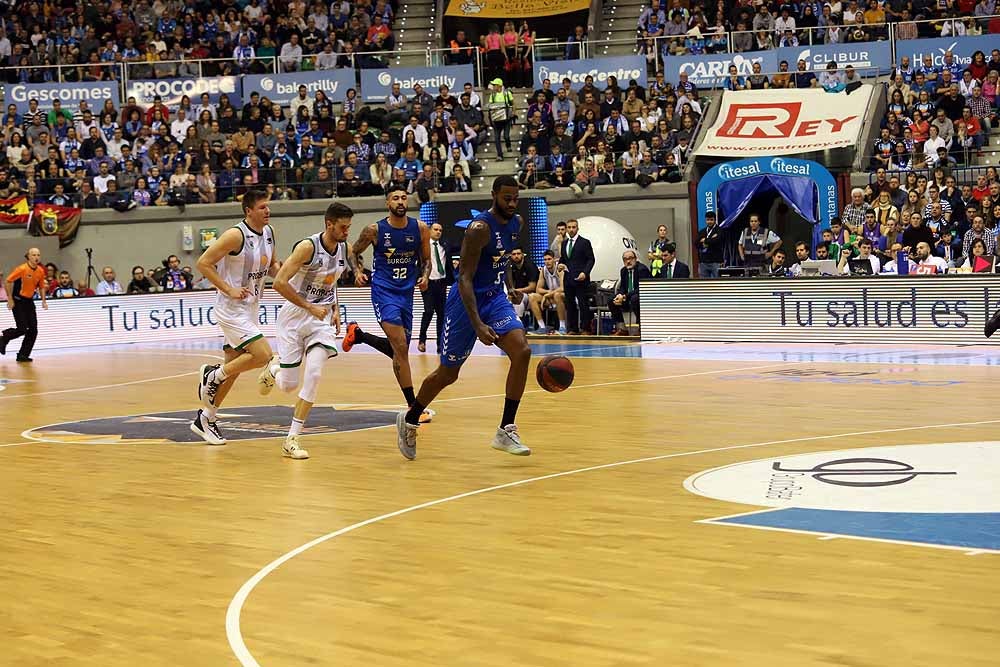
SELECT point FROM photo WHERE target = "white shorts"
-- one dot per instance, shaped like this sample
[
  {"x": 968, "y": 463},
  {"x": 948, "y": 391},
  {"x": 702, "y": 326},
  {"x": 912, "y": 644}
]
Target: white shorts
[
  {"x": 519, "y": 308},
  {"x": 298, "y": 332},
  {"x": 238, "y": 328}
]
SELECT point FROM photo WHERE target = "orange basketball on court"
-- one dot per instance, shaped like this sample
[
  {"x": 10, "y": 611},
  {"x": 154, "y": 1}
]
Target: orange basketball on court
[{"x": 554, "y": 373}]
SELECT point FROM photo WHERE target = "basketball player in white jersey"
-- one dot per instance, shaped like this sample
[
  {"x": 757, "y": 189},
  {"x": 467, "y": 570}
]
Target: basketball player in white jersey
[
  {"x": 236, "y": 264},
  {"x": 548, "y": 292},
  {"x": 308, "y": 325}
]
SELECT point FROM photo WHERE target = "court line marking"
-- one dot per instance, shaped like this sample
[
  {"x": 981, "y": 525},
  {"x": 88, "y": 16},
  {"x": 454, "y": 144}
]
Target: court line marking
[
  {"x": 16, "y": 444},
  {"x": 112, "y": 386},
  {"x": 103, "y": 386},
  {"x": 395, "y": 407},
  {"x": 235, "y": 636}
]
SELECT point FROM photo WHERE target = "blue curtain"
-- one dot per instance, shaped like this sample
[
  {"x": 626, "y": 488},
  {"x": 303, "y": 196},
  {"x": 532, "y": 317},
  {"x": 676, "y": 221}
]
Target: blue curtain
[{"x": 798, "y": 191}]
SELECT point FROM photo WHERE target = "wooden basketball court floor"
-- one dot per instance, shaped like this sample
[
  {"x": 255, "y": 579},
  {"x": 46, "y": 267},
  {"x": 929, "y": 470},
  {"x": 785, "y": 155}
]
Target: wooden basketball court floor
[{"x": 122, "y": 548}]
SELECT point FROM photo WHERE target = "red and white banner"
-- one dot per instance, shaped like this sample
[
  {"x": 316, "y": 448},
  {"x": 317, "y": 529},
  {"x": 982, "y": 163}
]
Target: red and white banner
[{"x": 786, "y": 122}]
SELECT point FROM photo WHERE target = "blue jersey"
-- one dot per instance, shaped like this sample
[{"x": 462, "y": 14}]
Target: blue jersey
[
  {"x": 495, "y": 256},
  {"x": 397, "y": 256}
]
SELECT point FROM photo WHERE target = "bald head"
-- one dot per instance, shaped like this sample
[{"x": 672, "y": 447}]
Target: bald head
[{"x": 34, "y": 256}]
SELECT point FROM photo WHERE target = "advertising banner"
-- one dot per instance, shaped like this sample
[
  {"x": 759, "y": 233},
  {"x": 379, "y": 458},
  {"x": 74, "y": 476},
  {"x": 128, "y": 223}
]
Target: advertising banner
[
  {"x": 170, "y": 316},
  {"x": 785, "y": 122},
  {"x": 860, "y": 55},
  {"x": 502, "y": 9},
  {"x": 621, "y": 67},
  {"x": 961, "y": 47},
  {"x": 69, "y": 94},
  {"x": 172, "y": 90},
  {"x": 914, "y": 309},
  {"x": 376, "y": 84},
  {"x": 711, "y": 69},
  {"x": 283, "y": 88}
]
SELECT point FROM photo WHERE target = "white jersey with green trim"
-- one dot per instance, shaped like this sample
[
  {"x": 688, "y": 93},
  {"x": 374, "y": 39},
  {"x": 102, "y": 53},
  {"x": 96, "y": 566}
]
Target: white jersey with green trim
[
  {"x": 247, "y": 267},
  {"x": 316, "y": 281}
]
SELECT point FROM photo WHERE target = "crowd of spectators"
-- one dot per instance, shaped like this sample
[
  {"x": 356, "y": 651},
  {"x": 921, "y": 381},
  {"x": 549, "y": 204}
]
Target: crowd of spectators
[
  {"x": 586, "y": 137},
  {"x": 922, "y": 220},
  {"x": 88, "y": 38},
  {"x": 938, "y": 115},
  {"x": 738, "y": 27}
]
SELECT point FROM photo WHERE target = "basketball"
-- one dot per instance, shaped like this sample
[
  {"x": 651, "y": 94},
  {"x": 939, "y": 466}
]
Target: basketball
[{"x": 554, "y": 373}]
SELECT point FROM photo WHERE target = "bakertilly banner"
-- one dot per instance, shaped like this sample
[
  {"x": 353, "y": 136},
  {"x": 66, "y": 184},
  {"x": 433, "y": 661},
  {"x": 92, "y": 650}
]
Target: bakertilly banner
[
  {"x": 515, "y": 9},
  {"x": 786, "y": 122}
]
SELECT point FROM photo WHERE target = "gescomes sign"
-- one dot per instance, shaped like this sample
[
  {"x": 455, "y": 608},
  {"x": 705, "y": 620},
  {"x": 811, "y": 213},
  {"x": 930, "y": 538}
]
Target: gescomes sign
[
  {"x": 785, "y": 122},
  {"x": 168, "y": 316},
  {"x": 172, "y": 90},
  {"x": 69, "y": 94},
  {"x": 880, "y": 309},
  {"x": 283, "y": 88},
  {"x": 622, "y": 68},
  {"x": 376, "y": 84}
]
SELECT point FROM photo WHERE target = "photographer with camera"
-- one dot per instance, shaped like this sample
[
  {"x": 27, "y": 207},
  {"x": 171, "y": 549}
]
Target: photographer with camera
[{"x": 173, "y": 279}]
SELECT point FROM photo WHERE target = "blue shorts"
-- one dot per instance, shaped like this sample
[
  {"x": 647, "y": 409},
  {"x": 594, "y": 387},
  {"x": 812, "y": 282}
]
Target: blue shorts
[
  {"x": 495, "y": 309},
  {"x": 393, "y": 307}
]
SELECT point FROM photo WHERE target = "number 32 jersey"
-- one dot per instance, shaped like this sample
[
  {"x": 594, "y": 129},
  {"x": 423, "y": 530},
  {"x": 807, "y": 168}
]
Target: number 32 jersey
[
  {"x": 247, "y": 267},
  {"x": 397, "y": 257}
]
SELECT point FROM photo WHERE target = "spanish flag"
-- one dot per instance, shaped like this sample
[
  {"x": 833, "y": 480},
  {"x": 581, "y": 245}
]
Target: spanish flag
[
  {"x": 15, "y": 211},
  {"x": 51, "y": 220}
]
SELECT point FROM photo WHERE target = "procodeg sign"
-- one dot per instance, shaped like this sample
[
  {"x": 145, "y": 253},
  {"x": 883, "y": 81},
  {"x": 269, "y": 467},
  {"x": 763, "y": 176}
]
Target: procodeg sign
[{"x": 172, "y": 90}]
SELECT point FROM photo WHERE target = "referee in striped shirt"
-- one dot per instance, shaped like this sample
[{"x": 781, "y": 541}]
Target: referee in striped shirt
[{"x": 22, "y": 284}]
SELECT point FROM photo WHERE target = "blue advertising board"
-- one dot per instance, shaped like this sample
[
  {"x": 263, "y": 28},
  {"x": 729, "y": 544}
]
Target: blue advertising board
[
  {"x": 710, "y": 70},
  {"x": 69, "y": 94},
  {"x": 283, "y": 88},
  {"x": 622, "y": 68},
  {"x": 860, "y": 55},
  {"x": 376, "y": 84},
  {"x": 961, "y": 47},
  {"x": 172, "y": 90}
]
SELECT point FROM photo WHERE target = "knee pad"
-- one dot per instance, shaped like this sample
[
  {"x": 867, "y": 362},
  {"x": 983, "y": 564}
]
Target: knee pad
[{"x": 287, "y": 379}]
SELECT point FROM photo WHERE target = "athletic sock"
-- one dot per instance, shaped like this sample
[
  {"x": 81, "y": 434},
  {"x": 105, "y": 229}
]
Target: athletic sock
[
  {"x": 509, "y": 411},
  {"x": 296, "y": 427},
  {"x": 562, "y": 324},
  {"x": 409, "y": 395},
  {"x": 210, "y": 413},
  {"x": 379, "y": 343},
  {"x": 413, "y": 415},
  {"x": 218, "y": 376}
]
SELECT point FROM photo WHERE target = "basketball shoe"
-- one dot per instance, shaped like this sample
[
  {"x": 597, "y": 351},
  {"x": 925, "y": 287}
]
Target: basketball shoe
[
  {"x": 508, "y": 440},
  {"x": 351, "y": 337},
  {"x": 208, "y": 431},
  {"x": 406, "y": 437},
  {"x": 292, "y": 450},
  {"x": 265, "y": 381}
]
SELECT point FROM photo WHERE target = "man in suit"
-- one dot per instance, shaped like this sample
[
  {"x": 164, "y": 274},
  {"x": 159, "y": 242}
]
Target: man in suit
[
  {"x": 627, "y": 294},
  {"x": 672, "y": 267},
  {"x": 577, "y": 259},
  {"x": 457, "y": 182},
  {"x": 442, "y": 275}
]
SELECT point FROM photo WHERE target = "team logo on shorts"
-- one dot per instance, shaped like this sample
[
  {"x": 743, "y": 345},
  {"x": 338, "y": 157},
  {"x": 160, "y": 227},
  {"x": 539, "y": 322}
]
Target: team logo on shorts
[{"x": 252, "y": 423}]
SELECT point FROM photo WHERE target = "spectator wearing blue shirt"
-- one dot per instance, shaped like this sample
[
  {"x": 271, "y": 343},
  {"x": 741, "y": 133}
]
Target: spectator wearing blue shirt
[{"x": 410, "y": 165}]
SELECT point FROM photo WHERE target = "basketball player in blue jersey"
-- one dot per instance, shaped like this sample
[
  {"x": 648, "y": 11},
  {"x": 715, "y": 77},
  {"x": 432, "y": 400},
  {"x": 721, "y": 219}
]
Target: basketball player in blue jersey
[
  {"x": 402, "y": 247},
  {"x": 477, "y": 308}
]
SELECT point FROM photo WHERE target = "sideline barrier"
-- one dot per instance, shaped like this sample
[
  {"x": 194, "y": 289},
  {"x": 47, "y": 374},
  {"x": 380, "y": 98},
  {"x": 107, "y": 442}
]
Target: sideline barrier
[
  {"x": 169, "y": 317},
  {"x": 923, "y": 310}
]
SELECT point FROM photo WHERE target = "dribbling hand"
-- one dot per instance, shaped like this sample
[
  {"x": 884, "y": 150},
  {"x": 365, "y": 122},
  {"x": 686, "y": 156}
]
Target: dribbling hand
[
  {"x": 238, "y": 293},
  {"x": 360, "y": 279},
  {"x": 422, "y": 283},
  {"x": 486, "y": 334},
  {"x": 515, "y": 296},
  {"x": 319, "y": 312}
]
